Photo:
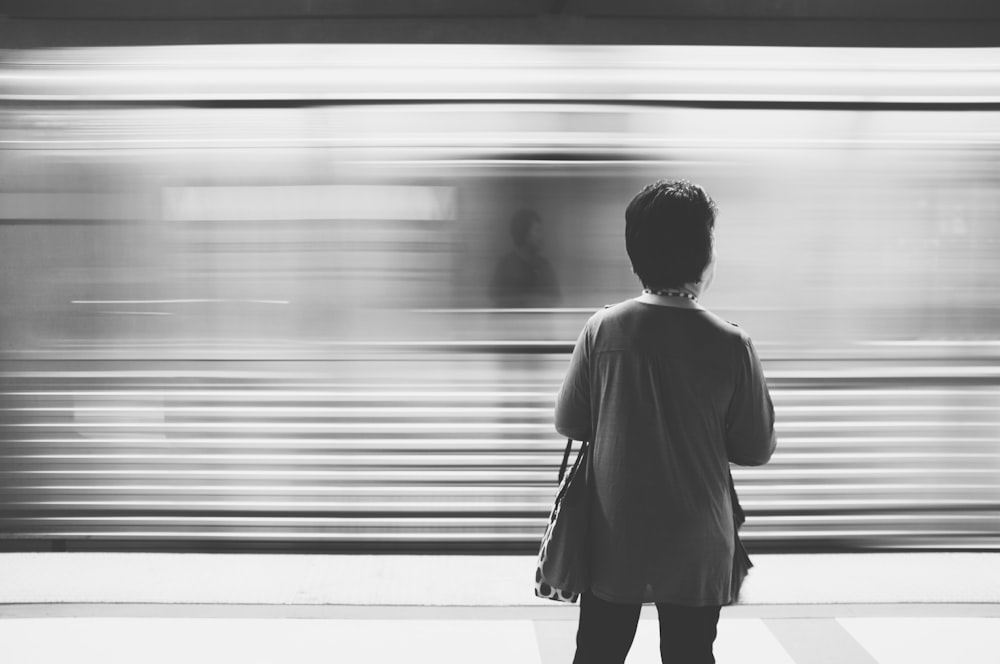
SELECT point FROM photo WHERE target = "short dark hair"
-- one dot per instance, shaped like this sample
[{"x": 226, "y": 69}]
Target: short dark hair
[
  {"x": 521, "y": 223},
  {"x": 668, "y": 233}
]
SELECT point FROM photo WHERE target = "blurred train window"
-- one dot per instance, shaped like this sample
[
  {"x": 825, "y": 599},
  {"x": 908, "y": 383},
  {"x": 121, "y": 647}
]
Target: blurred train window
[
  {"x": 336, "y": 254},
  {"x": 308, "y": 202}
]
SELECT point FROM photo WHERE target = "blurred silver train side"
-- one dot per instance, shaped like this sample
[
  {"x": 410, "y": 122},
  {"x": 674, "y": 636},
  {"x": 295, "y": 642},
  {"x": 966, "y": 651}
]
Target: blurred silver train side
[{"x": 248, "y": 307}]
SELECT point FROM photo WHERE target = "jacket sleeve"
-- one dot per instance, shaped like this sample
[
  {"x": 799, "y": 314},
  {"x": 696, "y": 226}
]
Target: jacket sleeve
[
  {"x": 750, "y": 439},
  {"x": 573, "y": 416}
]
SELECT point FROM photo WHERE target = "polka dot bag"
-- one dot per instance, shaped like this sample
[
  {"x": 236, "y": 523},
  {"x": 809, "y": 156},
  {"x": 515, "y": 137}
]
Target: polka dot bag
[{"x": 563, "y": 570}]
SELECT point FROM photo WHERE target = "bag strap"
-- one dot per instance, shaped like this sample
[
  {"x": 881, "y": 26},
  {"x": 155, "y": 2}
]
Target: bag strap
[
  {"x": 565, "y": 461},
  {"x": 579, "y": 457}
]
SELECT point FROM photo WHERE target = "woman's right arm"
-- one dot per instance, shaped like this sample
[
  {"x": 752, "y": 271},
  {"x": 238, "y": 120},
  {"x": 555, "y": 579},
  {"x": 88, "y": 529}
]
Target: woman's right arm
[
  {"x": 750, "y": 438},
  {"x": 573, "y": 417}
]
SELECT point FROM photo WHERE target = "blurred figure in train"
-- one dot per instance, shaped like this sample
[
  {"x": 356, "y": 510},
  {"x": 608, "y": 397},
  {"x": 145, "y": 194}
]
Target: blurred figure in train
[
  {"x": 524, "y": 278},
  {"x": 669, "y": 394}
]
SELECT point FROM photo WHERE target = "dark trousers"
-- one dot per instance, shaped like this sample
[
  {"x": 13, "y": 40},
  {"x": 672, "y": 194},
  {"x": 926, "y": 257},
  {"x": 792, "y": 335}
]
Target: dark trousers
[{"x": 606, "y": 631}]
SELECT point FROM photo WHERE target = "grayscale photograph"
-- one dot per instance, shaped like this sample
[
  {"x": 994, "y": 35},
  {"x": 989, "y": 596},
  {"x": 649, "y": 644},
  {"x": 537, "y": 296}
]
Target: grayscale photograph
[{"x": 547, "y": 332}]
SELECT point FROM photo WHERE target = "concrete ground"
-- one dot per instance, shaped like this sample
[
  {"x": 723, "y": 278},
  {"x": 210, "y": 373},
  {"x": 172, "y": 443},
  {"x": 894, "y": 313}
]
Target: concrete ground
[{"x": 801, "y": 609}]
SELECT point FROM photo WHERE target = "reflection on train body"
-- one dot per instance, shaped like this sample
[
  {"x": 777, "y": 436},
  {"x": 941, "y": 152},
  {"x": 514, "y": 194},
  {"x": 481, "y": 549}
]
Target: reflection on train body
[{"x": 267, "y": 321}]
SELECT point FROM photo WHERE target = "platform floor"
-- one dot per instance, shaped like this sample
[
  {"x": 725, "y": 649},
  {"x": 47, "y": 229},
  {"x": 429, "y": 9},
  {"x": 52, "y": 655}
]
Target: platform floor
[
  {"x": 883, "y": 634},
  {"x": 248, "y": 609}
]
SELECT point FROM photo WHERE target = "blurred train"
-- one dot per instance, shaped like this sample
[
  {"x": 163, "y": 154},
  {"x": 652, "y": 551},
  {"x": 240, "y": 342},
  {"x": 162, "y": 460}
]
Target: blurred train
[{"x": 248, "y": 293}]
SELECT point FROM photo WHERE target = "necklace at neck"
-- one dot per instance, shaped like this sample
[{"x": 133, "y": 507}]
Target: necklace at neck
[{"x": 669, "y": 292}]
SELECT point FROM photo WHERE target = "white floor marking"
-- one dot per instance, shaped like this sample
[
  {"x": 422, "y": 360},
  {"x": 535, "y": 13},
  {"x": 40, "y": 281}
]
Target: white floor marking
[
  {"x": 882, "y": 578},
  {"x": 928, "y": 640},
  {"x": 818, "y": 641},
  {"x": 556, "y": 640},
  {"x": 748, "y": 641}
]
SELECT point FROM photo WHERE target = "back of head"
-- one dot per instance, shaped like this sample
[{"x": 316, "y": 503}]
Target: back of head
[{"x": 668, "y": 233}]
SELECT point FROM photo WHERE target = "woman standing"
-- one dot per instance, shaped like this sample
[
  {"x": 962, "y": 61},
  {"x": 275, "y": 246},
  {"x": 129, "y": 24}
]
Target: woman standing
[{"x": 669, "y": 394}]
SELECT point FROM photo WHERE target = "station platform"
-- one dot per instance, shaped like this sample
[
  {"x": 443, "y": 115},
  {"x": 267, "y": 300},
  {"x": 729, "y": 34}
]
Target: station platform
[{"x": 906, "y": 608}]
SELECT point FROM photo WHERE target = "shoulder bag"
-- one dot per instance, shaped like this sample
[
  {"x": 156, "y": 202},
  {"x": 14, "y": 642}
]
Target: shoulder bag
[{"x": 563, "y": 570}]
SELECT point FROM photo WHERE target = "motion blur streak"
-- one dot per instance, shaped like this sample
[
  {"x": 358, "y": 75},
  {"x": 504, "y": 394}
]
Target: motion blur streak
[{"x": 267, "y": 298}]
